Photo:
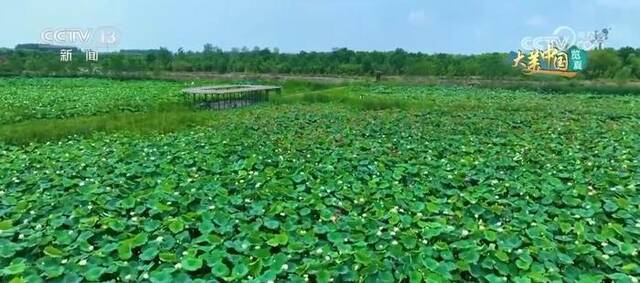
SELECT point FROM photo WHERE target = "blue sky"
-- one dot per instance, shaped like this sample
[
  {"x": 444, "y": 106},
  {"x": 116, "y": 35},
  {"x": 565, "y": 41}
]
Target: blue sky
[{"x": 453, "y": 26}]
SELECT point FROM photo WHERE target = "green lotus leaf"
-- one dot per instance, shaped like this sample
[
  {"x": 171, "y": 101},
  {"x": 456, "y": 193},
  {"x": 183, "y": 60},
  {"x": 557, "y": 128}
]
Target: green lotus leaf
[
  {"x": 239, "y": 270},
  {"x": 94, "y": 273},
  {"x": 490, "y": 235},
  {"x": 205, "y": 227},
  {"x": 168, "y": 257},
  {"x": 161, "y": 276},
  {"x": 17, "y": 266},
  {"x": 7, "y": 249},
  {"x": 272, "y": 224},
  {"x": 176, "y": 226},
  {"x": 219, "y": 269},
  {"x": 125, "y": 250},
  {"x": 278, "y": 240},
  {"x": 149, "y": 253},
  {"x": 191, "y": 263},
  {"x": 53, "y": 251},
  {"x": 6, "y": 225}
]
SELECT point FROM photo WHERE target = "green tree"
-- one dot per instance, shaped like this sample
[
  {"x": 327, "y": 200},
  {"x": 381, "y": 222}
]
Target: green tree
[
  {"x": 623, "y": 75},
  {"x": 634, "y": 64},
  {"x": 397, "y": 60},
  {"x": 625, "y": 52},
  {"x": 208, "y": 48},
  {"x": 603, "y": 63},
  {"x": 164, "y": 58}
]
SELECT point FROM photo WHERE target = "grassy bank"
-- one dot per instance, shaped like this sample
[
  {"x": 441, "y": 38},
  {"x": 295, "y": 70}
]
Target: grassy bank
[
  {"x": 139, "y": 123},
  {"x": 458, "y": 99}
]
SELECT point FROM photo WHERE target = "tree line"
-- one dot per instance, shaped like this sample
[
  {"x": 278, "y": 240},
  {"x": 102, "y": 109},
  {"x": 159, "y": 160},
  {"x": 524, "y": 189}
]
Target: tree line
[{"x": 623, "y": 63}]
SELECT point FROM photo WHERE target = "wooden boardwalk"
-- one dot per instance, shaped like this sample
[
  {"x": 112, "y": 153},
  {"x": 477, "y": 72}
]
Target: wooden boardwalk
[{"x": 229, "y": 96}]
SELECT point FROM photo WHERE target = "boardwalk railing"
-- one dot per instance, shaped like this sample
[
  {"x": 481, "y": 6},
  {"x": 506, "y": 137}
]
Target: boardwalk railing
[{"x": 229, "y": 96}]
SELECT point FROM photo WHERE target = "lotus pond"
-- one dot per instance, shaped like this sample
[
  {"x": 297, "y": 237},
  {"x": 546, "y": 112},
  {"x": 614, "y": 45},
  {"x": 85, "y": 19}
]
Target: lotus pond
[
  {"x": 45, "y": 98},
  {"x": 325, "y": 193}
]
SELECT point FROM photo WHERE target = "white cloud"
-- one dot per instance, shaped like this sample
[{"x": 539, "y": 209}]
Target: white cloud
[{"x": 417, "y": 17}]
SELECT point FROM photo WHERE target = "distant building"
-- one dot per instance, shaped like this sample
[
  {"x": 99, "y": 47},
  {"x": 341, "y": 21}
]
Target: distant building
[
  {"x": 44, "y": 47},
  {"x": 138, "y": 51}
]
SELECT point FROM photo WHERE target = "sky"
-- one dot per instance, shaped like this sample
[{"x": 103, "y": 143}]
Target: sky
[{"x": 428, "y": 26}]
